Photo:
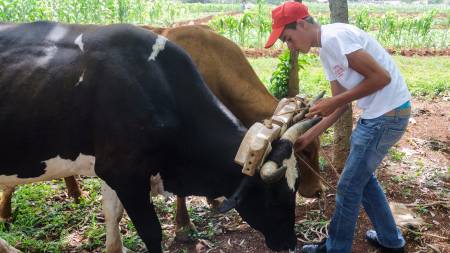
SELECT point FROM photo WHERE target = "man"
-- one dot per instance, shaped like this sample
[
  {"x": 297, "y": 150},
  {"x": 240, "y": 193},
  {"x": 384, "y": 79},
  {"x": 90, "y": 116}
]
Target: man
[{"x": 358, "y": 68}]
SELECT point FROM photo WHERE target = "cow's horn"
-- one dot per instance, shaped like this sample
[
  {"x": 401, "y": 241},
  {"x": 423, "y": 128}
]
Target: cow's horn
[
  {"x": 270, "y": 173},
  {"x": 299, "y": 128},
  {"x": 302, "y": 114}
]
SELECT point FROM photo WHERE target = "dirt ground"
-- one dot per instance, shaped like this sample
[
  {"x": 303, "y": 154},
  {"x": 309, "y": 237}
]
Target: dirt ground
[
  {"x": 415, "y": 175},
  {"x": 255, "y": 52}
]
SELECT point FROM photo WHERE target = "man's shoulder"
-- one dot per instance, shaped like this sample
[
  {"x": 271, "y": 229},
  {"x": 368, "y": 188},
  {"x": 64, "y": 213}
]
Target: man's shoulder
[
  {"x": 337, "y": 30},
  {"x": 339, "y": 35}
]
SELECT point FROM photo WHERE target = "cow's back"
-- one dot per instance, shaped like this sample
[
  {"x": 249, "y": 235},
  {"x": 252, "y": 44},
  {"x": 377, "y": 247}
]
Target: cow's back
[
  {"x": 227, "y": 72},
  {"x": 64, "y": 87}
]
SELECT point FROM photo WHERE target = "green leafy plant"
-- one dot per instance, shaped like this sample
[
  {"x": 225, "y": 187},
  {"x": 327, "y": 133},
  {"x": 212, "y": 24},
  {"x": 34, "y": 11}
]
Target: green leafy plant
[{"x": 280, "y": 77}]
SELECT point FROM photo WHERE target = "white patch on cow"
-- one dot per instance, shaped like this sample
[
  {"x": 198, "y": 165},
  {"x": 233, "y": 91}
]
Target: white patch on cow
[
  {"x": 79, "y": 42},
  {"x": 56, "y": 168},
  {"x": 80, "y": 79},
  {"x": 113, "y": 211},
  {"x": 157, "y": 187},
  {"x": 291, "y": 172},
  {"x": 57, "y": 33},
  {"x": 6, "y": 248},
  {"x": 159, "y": 45},
  {"x": 48, "y": 54}
]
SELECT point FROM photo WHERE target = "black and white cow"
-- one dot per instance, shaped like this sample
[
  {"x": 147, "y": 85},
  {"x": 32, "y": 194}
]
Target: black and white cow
[{"x": 136, "y": 102}]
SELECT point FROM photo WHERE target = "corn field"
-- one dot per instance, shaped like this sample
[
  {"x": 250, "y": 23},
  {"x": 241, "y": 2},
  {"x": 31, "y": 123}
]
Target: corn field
[
  {"x": 249, "y": 29},
  {"x": 391, "y": 29},
  {"x": 157, "y": 12},
  {"x": 407, "y": 26}
]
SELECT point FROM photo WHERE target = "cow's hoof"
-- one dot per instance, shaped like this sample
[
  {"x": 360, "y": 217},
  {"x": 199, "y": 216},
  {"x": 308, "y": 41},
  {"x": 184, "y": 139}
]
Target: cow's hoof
[
  {"x": 5, "y": 247},
  {"x": 215, "y": 203},
  {"x": 125, "y": 250},
  {"x": 6, "y": 219},
  {"x": 119, "y": 249},
  {"x": 78, "y": 197},
  {"x": 183, "y": 234}
]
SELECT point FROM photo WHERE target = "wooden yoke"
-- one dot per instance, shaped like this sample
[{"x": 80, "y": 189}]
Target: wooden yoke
[
  {"x": 257, "y": 141},
  {"x": 255, "y": 146}
]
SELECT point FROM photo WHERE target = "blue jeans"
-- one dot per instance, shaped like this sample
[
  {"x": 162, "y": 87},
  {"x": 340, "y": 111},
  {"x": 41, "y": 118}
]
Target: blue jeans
[{"x": 370, "y": 142}]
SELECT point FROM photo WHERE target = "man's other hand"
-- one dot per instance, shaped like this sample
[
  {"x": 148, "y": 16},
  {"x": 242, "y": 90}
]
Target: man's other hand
[{"x": 323, "y": 107}]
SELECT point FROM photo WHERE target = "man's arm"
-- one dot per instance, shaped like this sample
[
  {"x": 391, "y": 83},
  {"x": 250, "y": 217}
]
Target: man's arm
[
  {"x": 308, "y": 137},
  {"x": 375, "y": 78}
]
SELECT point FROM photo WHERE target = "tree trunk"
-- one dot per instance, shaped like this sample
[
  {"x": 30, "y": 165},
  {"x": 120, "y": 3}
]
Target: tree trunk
[
  {"x": 341, "y": 143},
  {"x": 343, "y": 127},
  {"x": 293, "y": 75},
  {"x": 338, "y": 11},
  {"x": 293, "y": 83}
]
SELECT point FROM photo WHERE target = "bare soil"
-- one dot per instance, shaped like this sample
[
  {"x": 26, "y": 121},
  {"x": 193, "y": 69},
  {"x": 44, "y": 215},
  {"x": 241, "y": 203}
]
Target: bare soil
[
  {"x": 202, "y": 21},
  {"x": 259, "y": 52},
  {"x": 419, "y": 178}
]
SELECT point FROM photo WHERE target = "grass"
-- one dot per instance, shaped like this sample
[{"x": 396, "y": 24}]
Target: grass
[
  {"x": 425, "y": 76},
  {"x": 46, "y": 220},
  {"x": 396, "y": 154}
]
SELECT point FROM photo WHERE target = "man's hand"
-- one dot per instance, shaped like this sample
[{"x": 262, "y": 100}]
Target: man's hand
[{"x": 323, "y": 107}]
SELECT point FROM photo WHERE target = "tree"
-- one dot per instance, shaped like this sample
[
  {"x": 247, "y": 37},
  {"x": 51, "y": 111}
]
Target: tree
[
  {"x": 343, "y": 127},
  {"x": 293, "y": 83},
  {"x": 338, "y": 11}
]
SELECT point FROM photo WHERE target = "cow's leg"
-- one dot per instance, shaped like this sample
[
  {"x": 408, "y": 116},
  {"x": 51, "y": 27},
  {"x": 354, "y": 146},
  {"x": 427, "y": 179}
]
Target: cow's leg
[
  {"x": 113, "y": 211},
  {"x": 73, "y": 189},
  {"x": 184, "y": 225},
  {"x": 6, "y": 248},
  {"x": 5, "y": 203},
  {"x": 134, "y": 193},
  {"x": 136, "y": 200}
]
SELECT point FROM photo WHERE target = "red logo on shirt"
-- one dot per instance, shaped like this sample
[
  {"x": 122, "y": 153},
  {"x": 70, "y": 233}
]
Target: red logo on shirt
[{"x": 338, "y": 71}]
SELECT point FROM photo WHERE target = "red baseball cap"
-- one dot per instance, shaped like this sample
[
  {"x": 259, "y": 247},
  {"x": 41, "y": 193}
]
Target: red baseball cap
[{"x": 285, "y": 14}]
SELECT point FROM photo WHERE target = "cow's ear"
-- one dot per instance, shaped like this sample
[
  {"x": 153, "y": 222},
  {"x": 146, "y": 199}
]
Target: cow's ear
[
  {"x": 237, "y": 196},
  {"x": 228, "y": 204}
]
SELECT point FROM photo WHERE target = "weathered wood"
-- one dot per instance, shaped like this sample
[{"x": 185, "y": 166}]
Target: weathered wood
[{"x": 255, "y": 146}]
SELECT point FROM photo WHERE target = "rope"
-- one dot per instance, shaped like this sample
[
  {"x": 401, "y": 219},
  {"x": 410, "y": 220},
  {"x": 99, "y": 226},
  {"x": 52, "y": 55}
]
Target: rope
[
  {"x": 294, "y": 111},
  {"x": 316, "y": 173},
  {"x": 330, "y": 163}
]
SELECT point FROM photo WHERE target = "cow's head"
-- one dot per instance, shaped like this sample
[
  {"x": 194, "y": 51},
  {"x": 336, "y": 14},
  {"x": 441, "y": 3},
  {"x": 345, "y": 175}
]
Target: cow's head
[{"x": 266, "y": 201}]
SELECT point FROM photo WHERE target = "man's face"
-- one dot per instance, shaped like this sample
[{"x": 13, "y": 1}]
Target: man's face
[{"x": 296, "y": 39}]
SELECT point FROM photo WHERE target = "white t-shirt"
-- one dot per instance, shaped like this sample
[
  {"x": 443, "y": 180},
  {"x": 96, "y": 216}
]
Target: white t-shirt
[{"x": 340, "y": 39}]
